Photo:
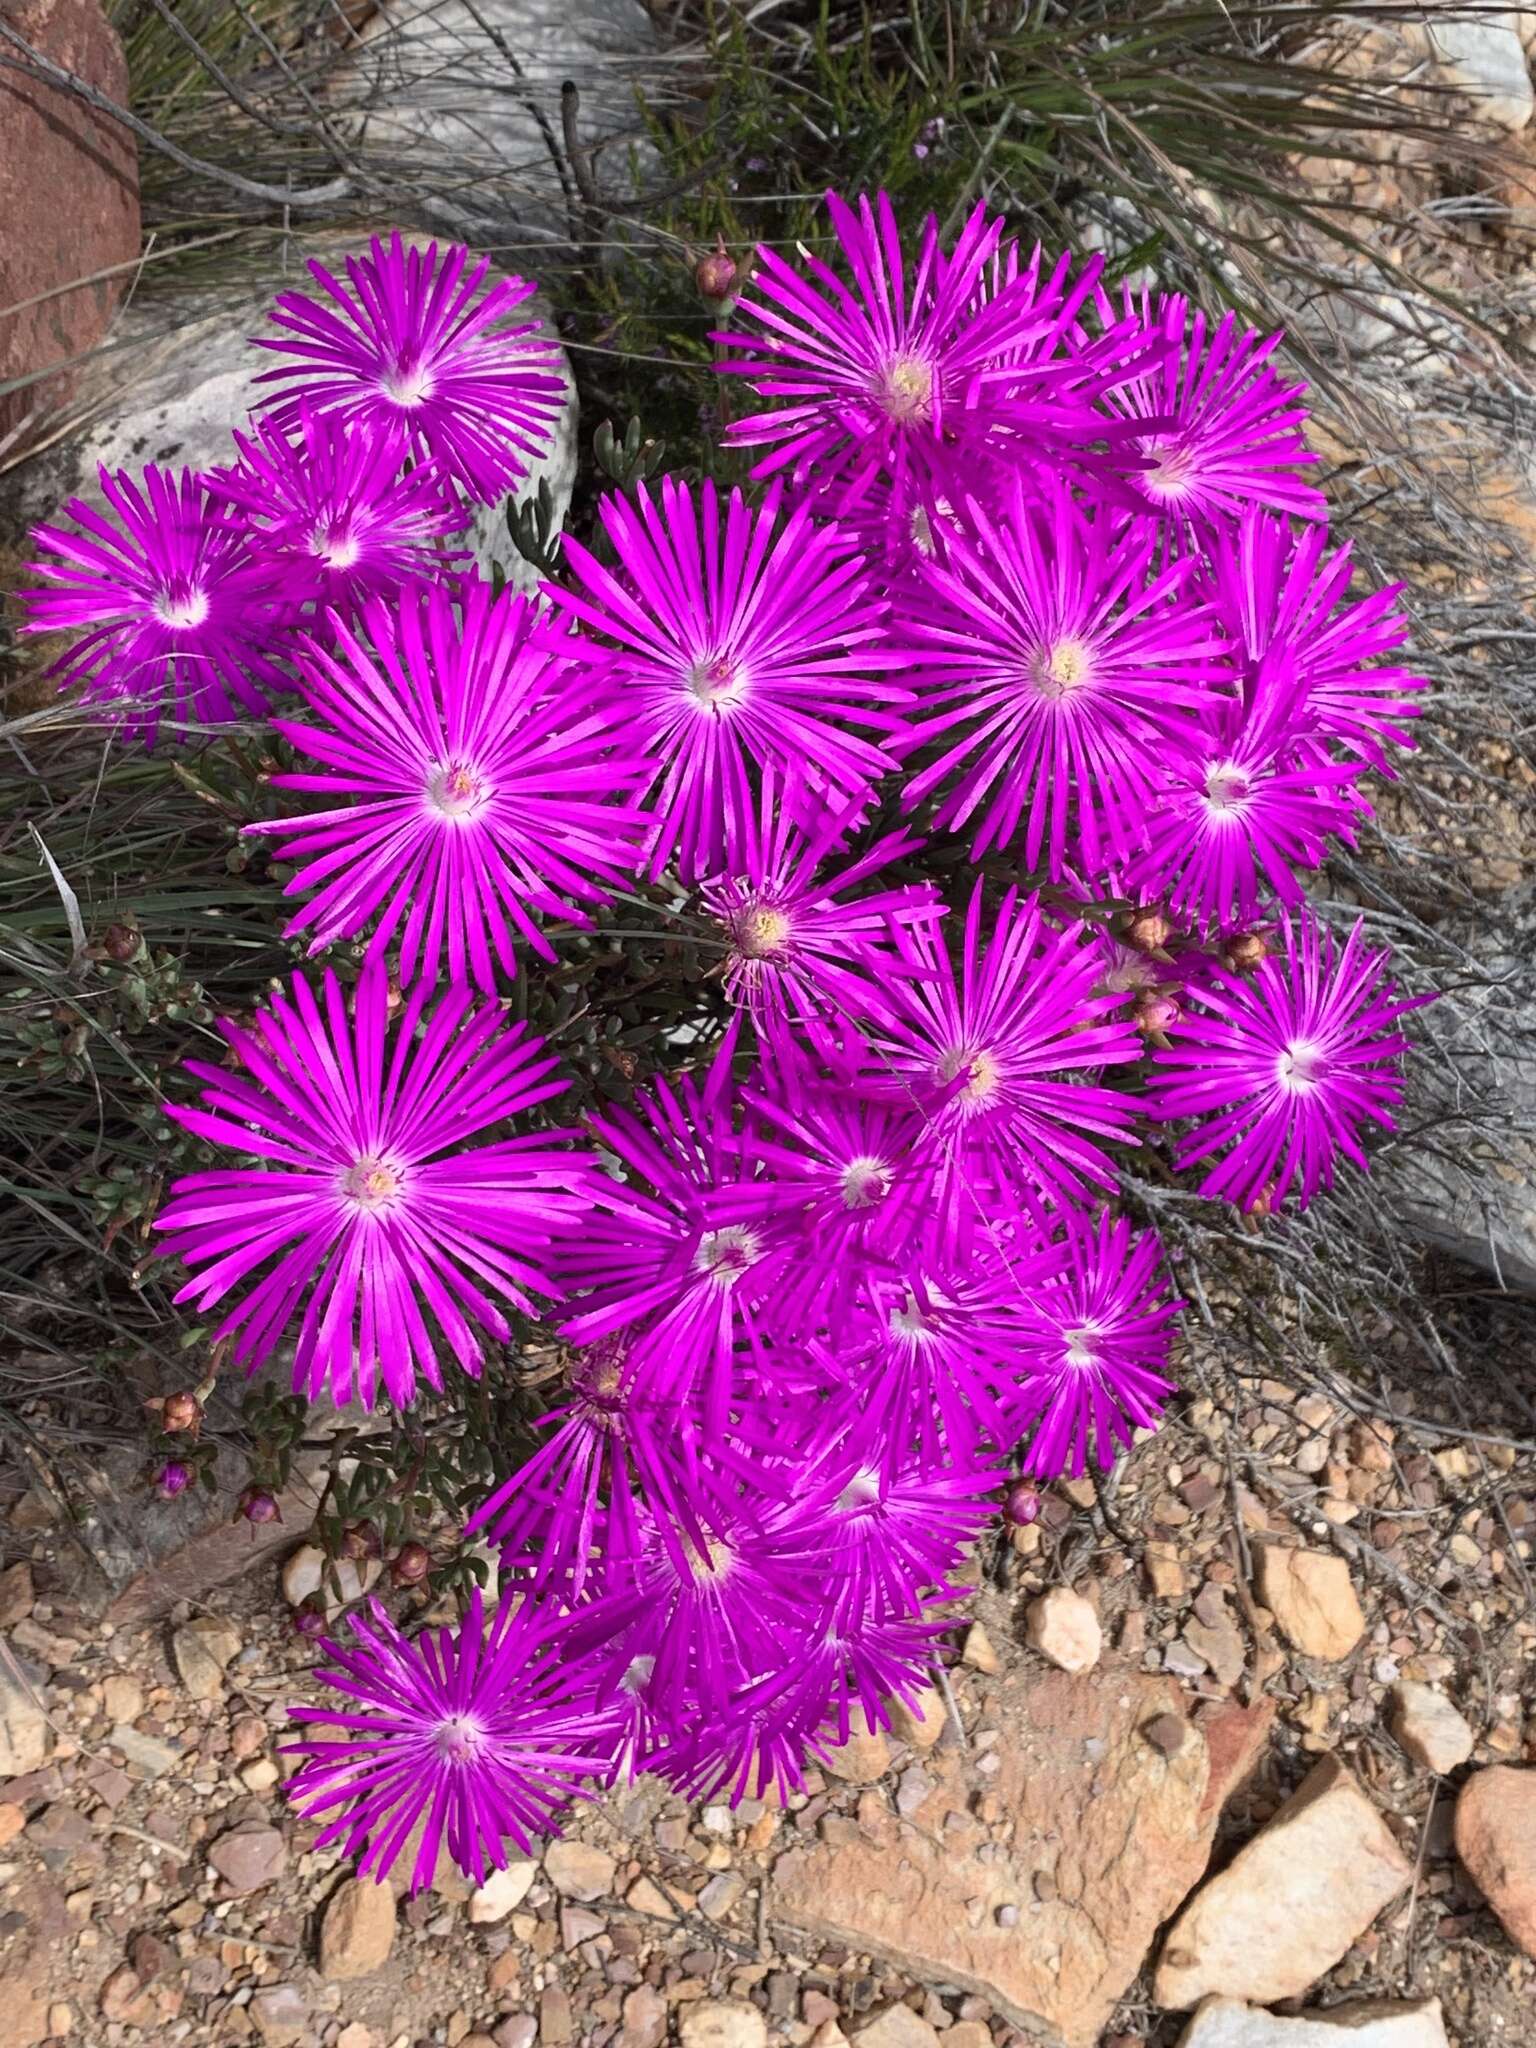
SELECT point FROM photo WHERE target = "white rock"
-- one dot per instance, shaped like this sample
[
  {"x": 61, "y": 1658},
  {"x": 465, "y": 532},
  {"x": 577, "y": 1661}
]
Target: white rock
[
  {"x": 897, "y": 2027},
  {"x": 473, "y": 87},
  {"x": 1289, "y": 1903},
  {"x": 1364, "y": 2023},
  {"x": 1486, "y": 61},
  {"x": 502, "y": 1893},
  {"x": 203, "y": 1651},
  {"x": 170, "y": 386},
  {"x": 1428, "y": 1726},
  {"x": 25, "y": 1737},
  {"x": 305, "y": 1574},
  {"x": 577, "y": 1870},
  {"x": 722, "y": 2023},
  {"x": 1064, "y": 1629}
]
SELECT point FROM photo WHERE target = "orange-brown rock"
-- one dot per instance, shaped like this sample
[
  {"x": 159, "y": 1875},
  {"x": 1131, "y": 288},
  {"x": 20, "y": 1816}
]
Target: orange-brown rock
[
  {"x": 1049, "y": 1914},
  {"x": 69, "y": 199}
]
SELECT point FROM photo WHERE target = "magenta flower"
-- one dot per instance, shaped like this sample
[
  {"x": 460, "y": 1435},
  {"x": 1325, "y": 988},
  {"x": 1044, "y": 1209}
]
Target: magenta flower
[
  {"x": 421, "y": 348},
  {"x": 1283, "y": 1069},
  {"x": 332, "y": 511},
  {"x": 1217, "y": 428},
  {"x": 1003, "y": 1057},
  {"x": 911, "y": 374},
  {"x": 1093, "y": 1354},
  {"x": 478, "y": 774},
  {"x": 174, "y": 611},
  {"x": 369, "y": 1205},
  {"x": 1245, "y": 806},
  {"x": 734, "y": 641},
  {"x": 1056, "y": 666},
  {"x": 1285, "y": 601},
  {"x": 804, "y": 944},
  {"x": 665, "y": 1255},
  {"x": 481, "y": 1735}
]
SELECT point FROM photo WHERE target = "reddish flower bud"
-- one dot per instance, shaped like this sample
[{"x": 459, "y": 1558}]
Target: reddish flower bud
[
  {"x": 181, "y": 1412},
  {"x": 309, "y": 1619},
  {"x": 1021, "y": 1504},
  {"x": 120, "y": 942},
  {"x": 361, "y": 1540},
  {"x": 257, "y": 1505},
  {"x": 715, "y": 274},
  {"x": 173, "y": 1478},
  {"x": 1158, "y": 1011},
  {"x": 1247, "y": 951},
  {"x": 1149, "y": 930},
  {"x": 410, "y": 1564}
]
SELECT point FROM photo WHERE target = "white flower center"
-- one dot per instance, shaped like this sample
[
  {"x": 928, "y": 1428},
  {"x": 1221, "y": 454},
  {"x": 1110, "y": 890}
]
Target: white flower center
[
  {"x": 983, "y": 1075},
  {"x": 762, "y": 932},
  {"x": 1063, "y": 666},
  {"x": 903, "y": 390},
  {"x": 408, "y": 384},
  {"x": 373, "y": 1184},
  {"x": 862, "y": 1490},
  {"x": 1172, "y": 475},
  {"x": 1301, "y": 1066},
  {"x": 1227, "y": 786},
  {"x": 864, "y": 1181},
  {"x": 1082, "y": 1347},
  {"x": 458, "y": 1739},
  {"x": 727, "y": 1253},
  {"x": 335, "y": 546},
  {"x": 458, "y": 791},
  {"x": 182, "y": 609},
  {"x": 716, "y": 681}
]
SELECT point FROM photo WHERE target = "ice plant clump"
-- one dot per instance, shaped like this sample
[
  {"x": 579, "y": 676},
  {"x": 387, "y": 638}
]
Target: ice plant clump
[{"x": 975, "y": 766}]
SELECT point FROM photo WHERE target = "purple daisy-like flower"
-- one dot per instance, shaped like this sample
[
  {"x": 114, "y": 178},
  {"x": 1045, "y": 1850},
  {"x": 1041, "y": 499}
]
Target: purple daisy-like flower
[
  {"x": 334, "y": 513},
  {"x": 1093, "y": 1354},
  {"x": 1055, "y": 665},
  {"x": 734, "y": 641},
  {"x": 805, "y": 944},
  {"x": 480, "y": 1735},
  {"x": 420, "y": 348},
  {"x": 479, "y": 771},
  {"x": 665, "y": 1255},
  {"x": 1247, "y": 804},
  {"x": 1216, "y": 427},
  {"x": 370, "y": 1205},
  {"x": 173, "y": 610},
  {"x": 1001, "y": 1057},
  {"x": 1285, "y": 600},
  {"x": 1283, "y": 1069},
  {"x": 914, "y": 374}
]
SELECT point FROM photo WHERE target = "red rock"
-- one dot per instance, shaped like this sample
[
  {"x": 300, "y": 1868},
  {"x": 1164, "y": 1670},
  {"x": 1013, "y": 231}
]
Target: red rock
[
  {"x": 69, "y": 198},
  {"x": 1123, "y": 1832},
  {"x": 1496, "y": 1840}
]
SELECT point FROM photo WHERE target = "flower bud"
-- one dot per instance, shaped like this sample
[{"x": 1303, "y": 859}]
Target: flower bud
[
  {"x": 715, "y": 275},
  {"x": 360, "y": 1540},
  {"x": 1021, "y": 1504},
  {"x": 1157, "y": 1012},
  {"x": 173, "y": 1477},
  {"x": 181, "y": 1411},
  {"x": 1247, "y": 951},
  {"x": 309, "y": 1618},
  {"x": 1149, "y": 930},
  {"x": 257, "y": 1505},
  {"x": 120, "y": 942},
  {"x": 410, "y": 1564}
]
